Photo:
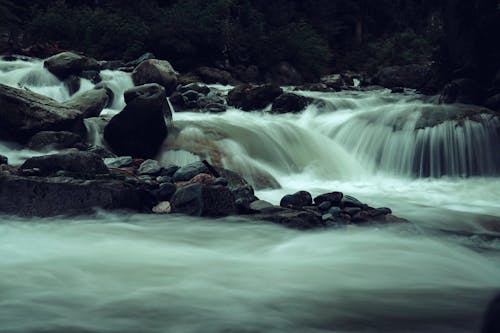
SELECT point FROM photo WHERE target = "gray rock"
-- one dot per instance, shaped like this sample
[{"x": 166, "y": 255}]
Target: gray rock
[
  {"x": 156, "y": 71},
  {"x": 118, "y": 162},
  {"x": 54, "y": 140},
  {"x": 247, "y": 97},
  {"x": 290, "y": 103},
  {"x": 76, "y": 162},
  {"x": 90, "y": 103},
  {"x": 42, "y": 196},
  {"x": 166, "y": 191},
  {"x": 149, "y": 167},
  {"x": 325, "y": 206},
  {"x": 333, "y": 197},
  {"x": 187, "y": 172},
  {"x": 164, "y": 179},
  {"x": 24, "y": 113},
  {"x": 214, "y": 75},
  {"x": 290, "y": 218},
  {"x": 202, "y": 200},
  {"x": 350, "y": 201},
  {"x": 221, "y": 181},
  {"x": 65, "y": 64},
  {"x": 260, "y": 205}
]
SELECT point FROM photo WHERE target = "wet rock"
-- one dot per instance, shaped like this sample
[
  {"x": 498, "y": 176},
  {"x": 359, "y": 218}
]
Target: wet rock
[
  {"x": 24, "y": 113},
  {"x": 187, "y": 172},
  {"x": 156, "y": 71},
  {"x": 260, "y": 205},
  {"x": 214, "y": 75},
  {"x": 138, "y": 61},
  {"x": 290, "y": 218},
  {"x": 352, "y": 210},
  {"x": 54, "y": 140},
  {"x": 202, "y": 178},
  {"x": 50, "y": 196},
  {"x": 465, "y": 91},
  {"x": 169, "y": 170},
  {"x": 349, "y": 201},
  {"x": 65, "y": 64},
  {"x": 163, "y": 207},
  {"x": 290, "y": 103},
  {"x": 72, "y": 83},
  {"x": 149, "y": 167},
  {"x": 204, "y": 90},
  {"x": 118, "y": 162},
  {"x": 140, "y": 128},
  {"x": 79, "y": 162},
  {"x": 202, "y": 200},
  {"x": 247, "y": 97},
  {"x": 409, "y": 76},
  {"x": 92, "y": 76},
  {"x": 325, "y": 206},
  {"x": 166, "y": 191},
  {"x": 90, "y": 103},
  {"x": 333, "y": 197},
  {"x": 3, "y": 160},
  {"x": 333, "y": 81},
  {"x": 101, "y": 152},
  {"x": 164, "y": 179},
  {"x": 299, "y": 199},
  {"x": 221, "y": 181},
  {"x": 335, "y": 211}
]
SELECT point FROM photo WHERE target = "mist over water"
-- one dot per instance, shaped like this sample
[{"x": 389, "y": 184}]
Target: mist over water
[{"x": 122, "y": 272}]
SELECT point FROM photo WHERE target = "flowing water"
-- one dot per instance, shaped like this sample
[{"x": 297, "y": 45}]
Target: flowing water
[{"x": 118, "y": 272}]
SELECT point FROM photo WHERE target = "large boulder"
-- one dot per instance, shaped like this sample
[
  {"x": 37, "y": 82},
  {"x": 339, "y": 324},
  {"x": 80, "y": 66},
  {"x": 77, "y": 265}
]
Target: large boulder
[
  {"x": 140, "y": 128},
  {"x": 203, "y": 200},
  {"x": 156, "y": 71},
  {"x": 24, "y": 113},
  {"x": 65, "y": 64},
  {"x": 79, "y": 162},
  {"x": 290, "y": 103},
  {"x": 54, "y": 140},
  {"x": 409, "y": 76},
  {"x": 90, "y": 103},
  {"x": 50, "y": 196},
  {"x": 463, "y": 91},
  {"x": 248, "y": 97}
]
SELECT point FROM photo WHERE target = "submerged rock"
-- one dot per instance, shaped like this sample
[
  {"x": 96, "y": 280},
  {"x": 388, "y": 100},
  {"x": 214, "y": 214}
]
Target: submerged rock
[{"x": 140, "y": 128}]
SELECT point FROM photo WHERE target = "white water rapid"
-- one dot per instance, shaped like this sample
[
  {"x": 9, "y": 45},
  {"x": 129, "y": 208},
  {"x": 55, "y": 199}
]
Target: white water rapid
[{"x": 120, "y": 273}]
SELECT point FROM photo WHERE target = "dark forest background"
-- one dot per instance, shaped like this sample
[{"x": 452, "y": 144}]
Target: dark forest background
[{"x": 315, "y": 36}]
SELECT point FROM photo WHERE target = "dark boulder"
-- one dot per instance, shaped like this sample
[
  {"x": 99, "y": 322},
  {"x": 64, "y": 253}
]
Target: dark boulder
[
  {"x": 138, "y": 61},
  {"x": 203, "y": 200},
  {"x": 290, "y": 218},
  {"x": 50, "y": 196},
  {"x": 3, "y": 159},
  {"x": 90, "y": 103},
  {"x": 409, "y": 76},
  {"x": 296, "y": 200},
  {"x": 350, "y": 201},
  {"x": 165, "y": 192},
  {"x": 214, "y": 75},
  {"x": 24, "y": 113},
  {"x": 65, "y": 64},
  {"x": 156, "y": 71},
  {"x": 54, "y": 140},
  {"x": 333, "y": 197},
  {"x": 92, "y": 76},
  {"x": 79, "y": 162},
  {"x": 140, "y": 128},
  {"x": 72, "y": 84},
  {"x": 333, "y": 81},
  {"x": 187, "y": 172},
  {"x": 290, "y": 103},
  {"x": 463, "y": 91},
  {"x": 247, "y": 97}
]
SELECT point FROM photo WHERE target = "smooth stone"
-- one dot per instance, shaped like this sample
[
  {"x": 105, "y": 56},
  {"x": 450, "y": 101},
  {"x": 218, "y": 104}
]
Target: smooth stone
[
  {"x": 149, "y": 167},
  {"x": 352, "y": 210},
  {"x": 335, "y": 211},
  {"x": 163, "y": 207},
  {"x": 118, "y": 162},
  {"x": 169, "y": 170},
  {"x": 325, "y": 206},
  {"x": 164, "y": 179},
  {"x": 298, "y": 199},
  {"x": 166, "y": 191},
  {"x": 221, "y": 181},
  {"x": 333, "y": 197},
  {"x": 187, "y": 172}
]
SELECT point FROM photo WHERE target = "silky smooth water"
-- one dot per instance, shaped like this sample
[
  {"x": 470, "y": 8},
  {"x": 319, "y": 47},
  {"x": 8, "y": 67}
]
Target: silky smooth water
[{"x": 122, "y": 272}]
